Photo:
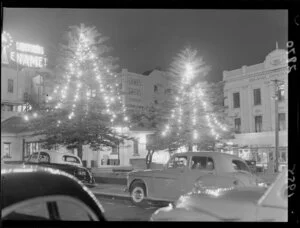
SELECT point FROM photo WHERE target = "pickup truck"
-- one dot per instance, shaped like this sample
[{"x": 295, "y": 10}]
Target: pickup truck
[{"x": 67, "y": 162}]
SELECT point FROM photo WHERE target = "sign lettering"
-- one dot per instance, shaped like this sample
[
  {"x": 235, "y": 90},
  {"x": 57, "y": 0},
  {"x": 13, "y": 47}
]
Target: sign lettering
[{"x": 28, "y": 55}]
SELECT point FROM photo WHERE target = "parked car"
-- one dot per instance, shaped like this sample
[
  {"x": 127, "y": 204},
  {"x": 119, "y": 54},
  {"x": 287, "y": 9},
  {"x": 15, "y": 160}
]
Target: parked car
[
  {"x": 238, "y": 204},
  {"x": 39, "y": 193},
  {"x": 182, "y": 171},
  {"x": 67, "y": 162},
  {"x": 56, "y": 157}
]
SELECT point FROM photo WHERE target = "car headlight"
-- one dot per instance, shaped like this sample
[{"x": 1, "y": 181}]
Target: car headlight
[{"x": 262, "y": 184}]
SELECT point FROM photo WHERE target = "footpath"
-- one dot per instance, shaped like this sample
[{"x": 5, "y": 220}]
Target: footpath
[{"x": 113, "y": 184}]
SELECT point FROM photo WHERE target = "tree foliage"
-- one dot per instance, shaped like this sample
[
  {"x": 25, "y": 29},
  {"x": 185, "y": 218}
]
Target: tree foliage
[
  {"x": 188, "y": 84},
  {"x": 91, "y": 124}
]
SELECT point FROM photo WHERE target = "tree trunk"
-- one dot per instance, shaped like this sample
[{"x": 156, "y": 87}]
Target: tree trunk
[
  {"x": 149, "y": 158},
  {"x": 190, "y": 148},
  {"x": 79, "y": 151}
]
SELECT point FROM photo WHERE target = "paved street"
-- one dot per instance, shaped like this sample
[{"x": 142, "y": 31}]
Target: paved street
[{"x": 123, "y": 209}]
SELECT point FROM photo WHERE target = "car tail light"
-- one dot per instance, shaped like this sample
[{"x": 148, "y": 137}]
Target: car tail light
[{"x": 81, "y": 172}]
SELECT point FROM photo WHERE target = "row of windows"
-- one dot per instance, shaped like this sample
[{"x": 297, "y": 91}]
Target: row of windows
[
  {"x": 136, "y": 92},
  {"x": 258, "y": 127},
  {"x": 256, "y": 97},
  {"x": 167, "y": 91}
]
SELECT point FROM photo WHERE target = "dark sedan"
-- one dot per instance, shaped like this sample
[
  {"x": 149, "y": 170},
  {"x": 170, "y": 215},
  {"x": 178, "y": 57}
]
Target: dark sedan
[
  {"x": 36, "y": 193},
  {"x": 57, "y": 160}
]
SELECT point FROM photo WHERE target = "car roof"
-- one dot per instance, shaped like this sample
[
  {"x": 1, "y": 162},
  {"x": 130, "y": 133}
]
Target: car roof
[
  {"x": 206, "y": 153},
  {"x": 56, "y": 152},
  {"x": 27, "y": 182}
]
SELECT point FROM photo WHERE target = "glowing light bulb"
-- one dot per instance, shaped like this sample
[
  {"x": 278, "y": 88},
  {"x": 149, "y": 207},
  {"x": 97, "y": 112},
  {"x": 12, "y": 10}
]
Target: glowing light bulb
[
  {"x": 195, "y": 134},
  {"x": 35, "y": 115},
  {"x": 26, "y": 118}
]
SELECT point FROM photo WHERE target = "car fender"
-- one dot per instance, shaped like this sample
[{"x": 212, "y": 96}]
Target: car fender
[{"x": 138, "y": 180}]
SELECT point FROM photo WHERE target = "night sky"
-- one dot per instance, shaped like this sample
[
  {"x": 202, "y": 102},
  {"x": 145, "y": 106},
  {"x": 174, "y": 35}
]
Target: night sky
[{"x": 143, "y": 39}]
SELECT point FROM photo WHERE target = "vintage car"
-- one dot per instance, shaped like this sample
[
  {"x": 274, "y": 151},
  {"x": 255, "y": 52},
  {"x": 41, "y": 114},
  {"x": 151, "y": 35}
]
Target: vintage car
[
  {"x": 237, "y": 204},
  {"x": 67, "y": 162},
  {"x": 37, "y": 193},
  {"x": 182, "y": 171},
  {"x": 56, "y": 157}
]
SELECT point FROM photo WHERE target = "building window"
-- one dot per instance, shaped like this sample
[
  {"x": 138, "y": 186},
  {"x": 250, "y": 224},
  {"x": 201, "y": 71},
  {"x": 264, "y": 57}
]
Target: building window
[
  {"x": 257, "y": 97},
  {"x": 236, "y": 100},
  {"x": 10, "y": 84},
  {"x": 6, "y": 150},
  {"x": 168, "y": 91},
  {"x": 155, "y": 88},
  {"x": 237, "y": 125},
  {"x": 135, "y": 147},
  {"x": 31, "y": 147},
  {"x": 281, "y": 121},
  {"x": 5, "y": 107},
  {"x": 258, "y": 123},
  {"x": 281, "y": 93},
  {"x": 114, "y": 150}
]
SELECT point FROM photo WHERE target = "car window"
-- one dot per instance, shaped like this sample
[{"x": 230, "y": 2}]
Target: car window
[
  {"x": 178, "y": 162},
  {"x": 202, "y": 163},
  {"x": 72, "y": 212},
  {"x": 44, "y": 157},
  {"x": 240, "y": 166},
  {"x": 36, "y": 211},
  {"x": 72, "y": 159},
  {"x": 33, "y": 158}
]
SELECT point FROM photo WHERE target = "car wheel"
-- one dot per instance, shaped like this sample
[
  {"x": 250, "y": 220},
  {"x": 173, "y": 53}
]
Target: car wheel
[{"x": 138, "y": 194}]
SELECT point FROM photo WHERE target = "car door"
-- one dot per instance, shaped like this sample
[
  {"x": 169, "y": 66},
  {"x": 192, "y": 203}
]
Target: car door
[
  {"x": 200, "y": 166},
  {"x": 242, "y": 174},
  {"x": 167, "y": 183}
]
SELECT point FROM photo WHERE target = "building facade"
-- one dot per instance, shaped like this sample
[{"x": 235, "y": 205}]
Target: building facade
[
  {"x": 142, "y": 90},
  {"x": 250, "y": 100}
]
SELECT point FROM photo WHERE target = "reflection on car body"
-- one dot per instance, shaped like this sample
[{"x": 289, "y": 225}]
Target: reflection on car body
[
  {"x": 37, "y": 193},
  {"x": 237, "y": 204},
  {"x": 183, "y": 170}
]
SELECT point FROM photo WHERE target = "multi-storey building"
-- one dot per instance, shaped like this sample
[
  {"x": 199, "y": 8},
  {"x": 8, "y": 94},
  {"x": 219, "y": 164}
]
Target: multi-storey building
[
  {"x": 250, "y": 98},
  {"x": 147, "y": 89}
]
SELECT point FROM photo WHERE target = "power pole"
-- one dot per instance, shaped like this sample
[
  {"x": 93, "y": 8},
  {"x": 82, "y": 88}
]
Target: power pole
[{"x": 277, "y": 155}]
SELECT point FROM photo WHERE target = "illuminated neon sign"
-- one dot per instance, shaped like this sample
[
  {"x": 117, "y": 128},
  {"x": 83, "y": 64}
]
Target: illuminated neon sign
[{"x": 24, "y": 54}]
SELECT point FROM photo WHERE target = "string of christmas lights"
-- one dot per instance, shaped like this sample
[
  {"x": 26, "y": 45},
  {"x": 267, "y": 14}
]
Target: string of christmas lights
[
  {"x": 74, "y": 74},
  {"x": 196, "y": 96}
]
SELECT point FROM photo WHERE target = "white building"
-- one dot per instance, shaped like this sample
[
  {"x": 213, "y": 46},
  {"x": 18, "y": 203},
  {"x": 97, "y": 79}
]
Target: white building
[
  {"x": 249, "y": 96},
  {"x": 141, "y": 90}
]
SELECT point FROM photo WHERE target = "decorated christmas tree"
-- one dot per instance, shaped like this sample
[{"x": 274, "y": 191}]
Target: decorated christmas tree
[
  {"x": 197, "y": 119},
  {"x": 85, "y": 105}
]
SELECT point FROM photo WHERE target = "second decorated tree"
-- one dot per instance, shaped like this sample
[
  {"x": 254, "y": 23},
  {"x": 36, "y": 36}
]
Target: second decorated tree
[{"x": 197, "y": 119}]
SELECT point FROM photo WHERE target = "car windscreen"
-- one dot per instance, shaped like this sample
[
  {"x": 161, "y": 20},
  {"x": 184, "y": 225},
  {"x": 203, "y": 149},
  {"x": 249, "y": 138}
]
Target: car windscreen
[
  {"x": 39, "y": 157},
  {"x": 240, "y": 166},
  {"x": 71, "y": 159}
]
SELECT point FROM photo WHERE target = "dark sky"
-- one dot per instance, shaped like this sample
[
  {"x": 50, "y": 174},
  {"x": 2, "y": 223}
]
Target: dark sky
[{"x": 146, "y": 38}]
